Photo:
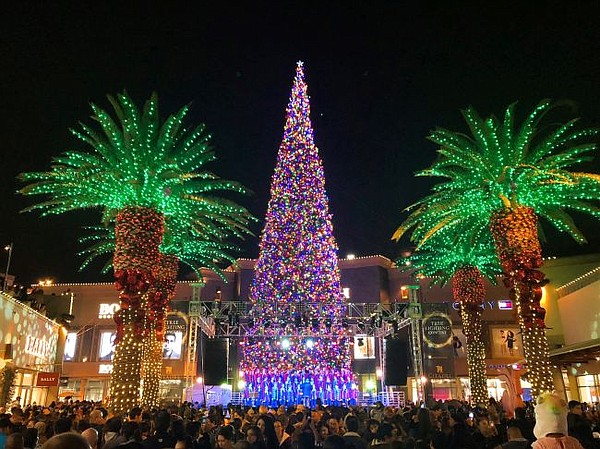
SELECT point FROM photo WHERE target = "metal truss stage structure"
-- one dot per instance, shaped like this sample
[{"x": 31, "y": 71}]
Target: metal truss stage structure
[{"x": 234, "y": 320}]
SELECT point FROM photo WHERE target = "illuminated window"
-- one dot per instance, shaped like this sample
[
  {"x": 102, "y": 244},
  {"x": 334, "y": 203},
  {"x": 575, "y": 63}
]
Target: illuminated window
[
  {"x": 364, "y": 347},
  {"x": 70, "y": 344},
  {"x": 346, "y": 292}
]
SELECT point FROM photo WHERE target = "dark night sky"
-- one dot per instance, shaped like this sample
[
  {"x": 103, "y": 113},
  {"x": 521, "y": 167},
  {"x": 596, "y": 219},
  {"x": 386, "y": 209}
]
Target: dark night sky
[{"x": 380, "y": 76}]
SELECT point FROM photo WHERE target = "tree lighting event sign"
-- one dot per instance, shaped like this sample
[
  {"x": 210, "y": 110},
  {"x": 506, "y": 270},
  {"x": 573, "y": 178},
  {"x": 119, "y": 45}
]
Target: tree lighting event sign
[{"x": 437, "y": 330}]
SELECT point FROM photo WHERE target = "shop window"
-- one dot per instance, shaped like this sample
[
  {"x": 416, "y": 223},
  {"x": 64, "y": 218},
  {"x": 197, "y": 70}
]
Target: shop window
[
  {"x": 94, "y": 390},
  {"x": 566, "y": 383},
  {"x": 171, "y": 389},
  {"x": 588, "y": 387}
]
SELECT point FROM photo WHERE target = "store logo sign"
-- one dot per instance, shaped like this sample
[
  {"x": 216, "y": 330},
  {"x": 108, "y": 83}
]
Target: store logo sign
[
  {"x": 47, "y": 379},
  {"x": 106, "y": 311},
  {"x": 37, "y": 347},
  {"x": 502, "y": 304},
  {"x": 105, "y": 368}
]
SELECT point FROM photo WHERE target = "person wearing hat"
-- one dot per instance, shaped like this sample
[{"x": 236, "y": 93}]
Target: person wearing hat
[{"x": 551, "y": 428}]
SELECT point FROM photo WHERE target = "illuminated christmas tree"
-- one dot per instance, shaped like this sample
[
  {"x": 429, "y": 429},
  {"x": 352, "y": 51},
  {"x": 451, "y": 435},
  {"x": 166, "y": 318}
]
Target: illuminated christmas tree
[{"x": 298, "y": 333}]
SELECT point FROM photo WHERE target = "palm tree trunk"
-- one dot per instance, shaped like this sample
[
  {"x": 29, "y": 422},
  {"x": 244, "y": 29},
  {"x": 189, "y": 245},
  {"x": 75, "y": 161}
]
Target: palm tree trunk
[
  {"x": 518, "y": 247},
  {"x": 138, "y": 232},
  {"x": 157, "y": 300},
  {"x": 469, "y": 290}
]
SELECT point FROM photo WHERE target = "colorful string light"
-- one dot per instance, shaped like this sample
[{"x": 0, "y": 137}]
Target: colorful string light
[{"x": 296, "y": 289}]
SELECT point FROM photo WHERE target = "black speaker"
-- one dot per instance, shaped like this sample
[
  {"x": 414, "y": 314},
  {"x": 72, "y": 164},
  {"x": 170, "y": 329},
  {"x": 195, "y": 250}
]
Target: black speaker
[
  {"x": 396, "y": 360},
  {"x": 215, "y": 361}
]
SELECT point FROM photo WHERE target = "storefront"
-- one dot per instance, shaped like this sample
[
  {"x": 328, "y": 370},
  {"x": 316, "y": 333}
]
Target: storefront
[{"x": 31, "y": 343}]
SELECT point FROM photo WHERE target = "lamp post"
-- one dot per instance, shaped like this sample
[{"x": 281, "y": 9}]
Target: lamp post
[{"x": 8, "y": 248}]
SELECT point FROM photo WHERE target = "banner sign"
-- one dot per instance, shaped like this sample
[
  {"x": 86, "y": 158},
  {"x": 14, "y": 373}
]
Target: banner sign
[
  {"x": 438, "y": 357},
  {"x": 175, "y": 333},
  {"x": 47, "y": 379}
]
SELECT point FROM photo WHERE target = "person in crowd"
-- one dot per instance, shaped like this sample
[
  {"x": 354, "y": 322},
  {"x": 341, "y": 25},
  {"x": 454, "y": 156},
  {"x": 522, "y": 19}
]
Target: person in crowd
[
  {"x": 524, "y": 424},
  {"x": 67, "y": 440},
  {"x": 420, "y": 427},
  {"x": 127, "y": 433},
  {"x": 30, "y": 438},
  {"x": 579, "y": 426},
  {"x": 248, "y": 420},
  {"x": 334, "y": 442},
  {"x": 266, "y": 424},
  {"x": 371, "y": 430},
  {"x": 322, "y": 434},
  {"x": 111, "y": 431},
  {"x": 135, "y": 415},
  {"x": 385, "y": 438},
  {"x": 516, "y": 440},
  {"x": 225, "y": 438},
  {"x": 42, "y": 430},
  {"x": 486, "y": 435},
  {"x": 91, "y": 435},
  {"x": 334, "y": 426},
  {"x": 255, "y": 438},
  {"x": 551, "y": 428},
  {"x": 14, "y": 441},
  {"x": 352, "y": 438},
  {"x": 161, "y": 438},
  {"x": 285, "y": 442},
  {"x": 62, "y": 425}
]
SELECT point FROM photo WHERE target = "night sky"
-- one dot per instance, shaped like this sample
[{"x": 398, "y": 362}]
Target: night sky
[{"x": 380, "y": 76}]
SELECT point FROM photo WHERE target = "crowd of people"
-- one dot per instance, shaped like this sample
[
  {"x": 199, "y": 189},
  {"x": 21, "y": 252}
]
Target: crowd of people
[{"x": 444, "y": 425}]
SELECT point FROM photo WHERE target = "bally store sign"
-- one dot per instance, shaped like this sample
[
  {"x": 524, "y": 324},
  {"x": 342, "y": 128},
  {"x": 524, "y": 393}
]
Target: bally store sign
[
  {"x": 47, "y": 379},
  {"x": 38, "y": 347}
]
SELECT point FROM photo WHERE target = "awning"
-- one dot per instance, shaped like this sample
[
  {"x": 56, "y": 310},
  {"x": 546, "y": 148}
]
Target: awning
[{"x": 577, "y": 353}]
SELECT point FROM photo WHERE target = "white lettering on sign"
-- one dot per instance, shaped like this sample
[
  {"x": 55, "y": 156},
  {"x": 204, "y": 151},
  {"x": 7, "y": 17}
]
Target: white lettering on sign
[
  {"x": 107, "y": 311},
  {"x": 37, "y": 347},
  {"x": 503, "y": 304},
  {"x": 105, "y": 368}
]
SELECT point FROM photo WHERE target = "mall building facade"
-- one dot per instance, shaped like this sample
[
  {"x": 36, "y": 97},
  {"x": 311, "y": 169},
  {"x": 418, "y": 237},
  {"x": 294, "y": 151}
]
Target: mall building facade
[
  {"x": 30, "y": 352},
  {"x": 378, "y": 294}
]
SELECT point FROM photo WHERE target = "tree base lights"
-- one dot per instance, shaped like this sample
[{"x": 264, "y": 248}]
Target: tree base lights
[
  {"x": 156, "y": 306},
  {"x": 468, "y": 288},
  {"x": 138, "y": 233},
  {"x": 125, "y": 379},
  {"x": 520, "y": 261}
]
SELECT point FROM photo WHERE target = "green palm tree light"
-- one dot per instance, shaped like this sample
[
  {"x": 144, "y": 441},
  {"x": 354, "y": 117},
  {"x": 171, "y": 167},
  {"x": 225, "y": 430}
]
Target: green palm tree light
[
  {"x": 137, "y": 171},
  {"x": 504, "y": 177},
  {"x": 466, "y": 263}
]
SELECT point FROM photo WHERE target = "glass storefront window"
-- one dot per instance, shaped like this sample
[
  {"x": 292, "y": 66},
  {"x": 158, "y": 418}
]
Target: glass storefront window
[
  {"x": 567, "y": 384},
  {"x": 496, "y": 388},
  {"x": 171, "y": 390},
  {"x": 94, "y": 390},
  {"x": 589, "y": 388}
]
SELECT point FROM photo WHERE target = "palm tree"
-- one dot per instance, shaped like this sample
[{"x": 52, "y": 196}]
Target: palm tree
[
  {"x": 178, "y": 246},
  {"x": 504, "y": 177},
  {"x": 137, "y": 171},
  {"x": 466, "y": 262}
]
